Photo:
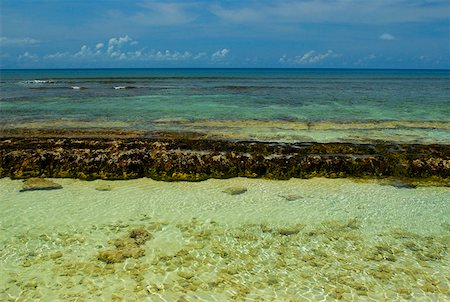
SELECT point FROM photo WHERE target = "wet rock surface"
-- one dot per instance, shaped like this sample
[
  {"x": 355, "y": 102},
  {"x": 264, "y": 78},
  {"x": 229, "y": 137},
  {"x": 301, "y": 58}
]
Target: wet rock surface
[
  {"x": 33, "y": 184},
  {"x": 172, "y": 157}
]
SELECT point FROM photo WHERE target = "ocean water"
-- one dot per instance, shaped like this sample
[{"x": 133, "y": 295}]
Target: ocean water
[
  {"x": 252, "y": 104},
  {"x": 296, "y": 240}
]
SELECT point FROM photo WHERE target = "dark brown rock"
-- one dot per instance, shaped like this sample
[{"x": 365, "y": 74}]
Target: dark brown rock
[{"x": 175, "y": 157}]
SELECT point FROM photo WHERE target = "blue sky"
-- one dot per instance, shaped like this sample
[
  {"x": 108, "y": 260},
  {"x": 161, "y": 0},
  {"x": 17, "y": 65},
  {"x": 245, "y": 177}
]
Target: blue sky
[{"x": 200, "y": 33}]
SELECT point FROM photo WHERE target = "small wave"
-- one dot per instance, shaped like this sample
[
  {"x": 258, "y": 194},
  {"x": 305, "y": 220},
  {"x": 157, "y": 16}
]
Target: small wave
[
  {"x": 124, "y": 87},
  {"x": 39, "y": 82}
]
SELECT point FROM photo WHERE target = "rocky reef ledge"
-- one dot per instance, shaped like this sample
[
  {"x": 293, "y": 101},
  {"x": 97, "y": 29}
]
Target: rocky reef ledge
[{"x": 180, "y": 156}]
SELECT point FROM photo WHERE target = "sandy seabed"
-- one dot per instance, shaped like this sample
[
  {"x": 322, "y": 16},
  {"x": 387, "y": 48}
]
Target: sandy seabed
[{"x": 224, "y": 240}]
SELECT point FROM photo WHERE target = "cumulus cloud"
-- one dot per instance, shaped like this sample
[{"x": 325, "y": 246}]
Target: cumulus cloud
[
  {"x": 120, "y": 49},
  {"x": 115, "y": 43},
  {"x": 220, "y": 54},
  {"x": 84, "y": 52},
  {"x": 5, "y": 41},
  {"x": 387, "y": 37}
]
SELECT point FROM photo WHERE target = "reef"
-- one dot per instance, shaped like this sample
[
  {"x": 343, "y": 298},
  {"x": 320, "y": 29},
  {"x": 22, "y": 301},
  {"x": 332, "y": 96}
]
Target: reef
[
  {"x": 130, "y": 247},
  {"x": 185, "y": 157}
]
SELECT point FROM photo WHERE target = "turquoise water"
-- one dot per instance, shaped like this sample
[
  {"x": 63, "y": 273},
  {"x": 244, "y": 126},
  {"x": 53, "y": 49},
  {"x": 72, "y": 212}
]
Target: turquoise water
[{"x": 278, "y": 104}]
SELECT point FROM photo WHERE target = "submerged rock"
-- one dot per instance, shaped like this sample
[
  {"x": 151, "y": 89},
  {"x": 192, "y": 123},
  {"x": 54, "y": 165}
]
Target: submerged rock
[
  {"x": 235, "y": 190},
  {"x": 291, "y": 197},
  {"x": 103, "y": 187},
  {"x": 126, "y": 247},
  {"x": 140, "y": 235},
  {"x": 401, "y": 184},
  {"x": 33, "y": 184},
  {"x": 119, "y": 255}
]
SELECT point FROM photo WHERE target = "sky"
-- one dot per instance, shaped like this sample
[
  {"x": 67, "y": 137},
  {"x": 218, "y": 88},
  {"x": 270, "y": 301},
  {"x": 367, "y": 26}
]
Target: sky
[{"x": 232, "y": 33}]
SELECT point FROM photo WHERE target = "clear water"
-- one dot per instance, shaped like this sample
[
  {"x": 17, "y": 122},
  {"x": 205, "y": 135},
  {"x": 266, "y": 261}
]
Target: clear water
[
  {"x": 296, "y": 240},
  {"x": 260, "y": 104}
]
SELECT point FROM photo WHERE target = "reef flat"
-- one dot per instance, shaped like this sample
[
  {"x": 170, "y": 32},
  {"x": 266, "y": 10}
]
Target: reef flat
[{"x": 192, "y": 157}]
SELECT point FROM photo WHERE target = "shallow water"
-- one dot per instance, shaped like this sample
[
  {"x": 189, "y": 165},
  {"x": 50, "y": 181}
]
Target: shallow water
[
  {"x": 414, "y": 105},
  {"x": 293, "y": 240}
]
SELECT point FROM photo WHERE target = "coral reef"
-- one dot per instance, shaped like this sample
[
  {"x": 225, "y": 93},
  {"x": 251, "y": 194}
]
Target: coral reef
[
  {"x": 129, "y": 247},
  {"x": 173, "y": 157}
]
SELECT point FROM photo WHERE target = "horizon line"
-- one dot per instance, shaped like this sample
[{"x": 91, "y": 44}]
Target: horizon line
[{"x": 227, "y": 68}]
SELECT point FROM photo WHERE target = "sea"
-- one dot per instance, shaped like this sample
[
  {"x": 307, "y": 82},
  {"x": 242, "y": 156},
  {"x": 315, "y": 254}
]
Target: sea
[
  {"x": 322, "y": 105},
  {"x": 312, "y": 239}
]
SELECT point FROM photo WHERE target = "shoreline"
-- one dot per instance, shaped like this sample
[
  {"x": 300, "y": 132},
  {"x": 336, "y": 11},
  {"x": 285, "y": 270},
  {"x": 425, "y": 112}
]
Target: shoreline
[{"x": 89, "y": 155}]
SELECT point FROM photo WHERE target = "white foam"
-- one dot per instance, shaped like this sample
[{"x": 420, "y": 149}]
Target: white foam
[{"x": 39, "y": 81}]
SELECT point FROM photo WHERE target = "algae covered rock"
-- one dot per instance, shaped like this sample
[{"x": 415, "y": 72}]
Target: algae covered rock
[
  {"x": 33, "y": 184},
  {"x": 235, "y": 190},
  {"x": 119, "y": 255},
  {"x": 129, "y": 247},
  {"x": 140, "y": 235},
  {"x": 401, "y": 184},
  {"x": 103, "y": 187}
]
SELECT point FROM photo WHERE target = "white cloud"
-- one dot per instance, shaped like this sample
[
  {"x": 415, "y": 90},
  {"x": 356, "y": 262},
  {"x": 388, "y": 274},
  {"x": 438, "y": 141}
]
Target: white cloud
[
  {"x": 238, "y": 15},
  {"x": 312, "y": 57},
  {"x": 220, "y": 54},
  {"x": 119, "y": 48},
  {"x": 28, "y": 56},
  {"x": 57, "y": 56},
  {"x": 84, "y": 52},
  {"x": 306, "y": 58},
  {"x": 387, "y": 37},
  {"x": 159, "y": 13},
  {"x": 336, "y": 11},
  {"x": 168, "y": 56},
  {"x": 200, "y": 56},
  {"x": 4, "y": 41},
  {"x": 115, "y": 43}
]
